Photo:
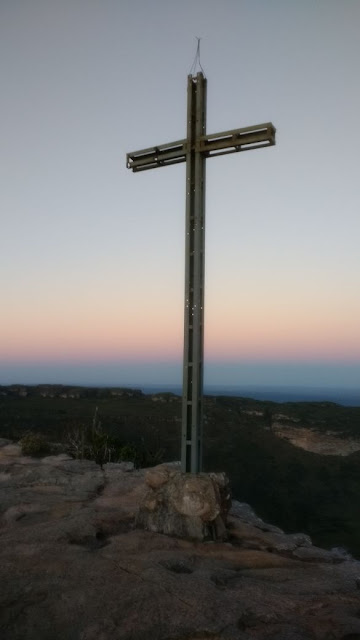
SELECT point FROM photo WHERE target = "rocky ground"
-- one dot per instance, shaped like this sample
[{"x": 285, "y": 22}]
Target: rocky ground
[{"x": 74, "y": 567}]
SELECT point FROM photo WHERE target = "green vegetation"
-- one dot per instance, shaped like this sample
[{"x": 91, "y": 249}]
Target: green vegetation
[
  {"x": 295, "y": 489},
  {"x": 290, "y": 487},
  {"x": 34, "y": 444},
  {"x": 91, "y": 442}
]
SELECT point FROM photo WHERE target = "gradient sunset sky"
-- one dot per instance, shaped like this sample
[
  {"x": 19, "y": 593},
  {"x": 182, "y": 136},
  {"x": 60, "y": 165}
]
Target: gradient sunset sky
[{"x": 92, "y": 256}]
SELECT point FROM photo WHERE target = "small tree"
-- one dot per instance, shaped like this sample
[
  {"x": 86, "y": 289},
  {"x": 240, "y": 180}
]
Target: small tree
[
  {"x": 89, "y": 442},
  {"x": 269, "y": 418}
]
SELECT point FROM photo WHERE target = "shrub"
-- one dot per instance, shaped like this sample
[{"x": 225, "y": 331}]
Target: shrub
[
  {"x": 127, "y": 453},
  {"x": 34, "y": 444},
  {"x": 93, "y": 443},
  {"x": 89, "y": 442}
]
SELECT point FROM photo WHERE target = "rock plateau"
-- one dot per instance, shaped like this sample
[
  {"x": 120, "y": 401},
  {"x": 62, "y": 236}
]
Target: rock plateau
[{"x": 74, "y": 567}]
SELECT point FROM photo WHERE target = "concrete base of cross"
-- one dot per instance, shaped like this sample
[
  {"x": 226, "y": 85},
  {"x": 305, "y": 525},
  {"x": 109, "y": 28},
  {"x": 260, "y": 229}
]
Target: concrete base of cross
[{"x": 185, "y": 505}]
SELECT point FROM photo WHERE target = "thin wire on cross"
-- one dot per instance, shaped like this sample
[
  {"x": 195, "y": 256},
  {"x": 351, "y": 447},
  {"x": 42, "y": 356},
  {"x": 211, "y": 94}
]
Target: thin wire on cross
[{"x": 197, "y": 59}]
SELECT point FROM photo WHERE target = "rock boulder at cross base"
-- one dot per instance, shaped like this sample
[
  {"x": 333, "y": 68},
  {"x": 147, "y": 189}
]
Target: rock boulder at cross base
[
  {"x": 73, "y": 567},
  {"x": 185, "y": 505}
]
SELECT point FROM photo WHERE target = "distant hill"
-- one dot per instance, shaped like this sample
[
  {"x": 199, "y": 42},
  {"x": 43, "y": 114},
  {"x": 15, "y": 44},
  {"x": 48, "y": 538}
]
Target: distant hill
[{"x": 339, "y": 395}]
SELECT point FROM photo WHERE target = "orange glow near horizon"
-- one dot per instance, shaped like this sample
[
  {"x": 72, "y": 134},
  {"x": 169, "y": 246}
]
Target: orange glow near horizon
[
  {"x": 165, "y": 343},
  {"x": 147, "y": 329}
]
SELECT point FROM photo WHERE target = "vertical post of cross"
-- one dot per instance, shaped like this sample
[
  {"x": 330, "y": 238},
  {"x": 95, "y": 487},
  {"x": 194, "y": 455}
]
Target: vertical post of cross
[
  {"x": 194, "y": 150},
  {"x": 193, "y": 364}
]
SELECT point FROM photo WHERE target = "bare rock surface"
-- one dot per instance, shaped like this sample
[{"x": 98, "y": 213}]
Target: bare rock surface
[{"x": 74, "y": 567}]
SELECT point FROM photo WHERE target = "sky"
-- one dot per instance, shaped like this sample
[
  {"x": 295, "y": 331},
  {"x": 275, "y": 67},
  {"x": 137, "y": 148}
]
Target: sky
[{"x": 92, "y": 255}]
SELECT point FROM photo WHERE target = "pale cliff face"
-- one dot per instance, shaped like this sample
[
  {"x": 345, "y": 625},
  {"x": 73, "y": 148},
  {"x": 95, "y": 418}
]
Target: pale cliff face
[{"x": 326, "y": 444}]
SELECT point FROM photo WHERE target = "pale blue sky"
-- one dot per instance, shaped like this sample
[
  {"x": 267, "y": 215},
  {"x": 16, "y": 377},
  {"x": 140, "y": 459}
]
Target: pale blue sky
[{"x": 91, "y": 256}]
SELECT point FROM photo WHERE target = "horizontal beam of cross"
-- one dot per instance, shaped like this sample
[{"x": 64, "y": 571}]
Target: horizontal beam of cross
[{"x": 233, "y": 141}]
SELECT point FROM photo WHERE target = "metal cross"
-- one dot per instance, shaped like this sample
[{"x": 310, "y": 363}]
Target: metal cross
[{"x": 194, "y": 150}]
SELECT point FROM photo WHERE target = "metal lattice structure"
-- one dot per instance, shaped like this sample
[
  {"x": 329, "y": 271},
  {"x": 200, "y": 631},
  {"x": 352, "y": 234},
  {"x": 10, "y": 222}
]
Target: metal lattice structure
[{"x": 194, "y": 150}]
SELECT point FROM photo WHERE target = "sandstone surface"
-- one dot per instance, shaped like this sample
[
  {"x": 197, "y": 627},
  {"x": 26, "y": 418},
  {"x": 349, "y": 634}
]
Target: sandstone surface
[{"x": 73, "y": 566}]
